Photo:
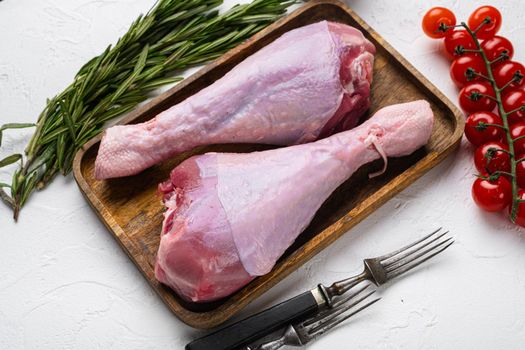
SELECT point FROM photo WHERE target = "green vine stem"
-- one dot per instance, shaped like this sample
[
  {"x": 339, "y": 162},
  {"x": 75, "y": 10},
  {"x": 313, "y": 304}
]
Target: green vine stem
[{"x": 503, "y": 114}]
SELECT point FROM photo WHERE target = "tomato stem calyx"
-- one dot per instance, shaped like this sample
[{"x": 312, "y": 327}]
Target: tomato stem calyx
[
  {"x": 476, "y": 96},
  {"x": 471, "y": 74},
  {"x": 517, "y": 77},
  {"x": 443, "y": 27},
  {"x": 482, "y": 126},
  {"x": 486, "y": 21},
  {"x": 491, "y": 152},
  {"x": 503, "y": 56}
]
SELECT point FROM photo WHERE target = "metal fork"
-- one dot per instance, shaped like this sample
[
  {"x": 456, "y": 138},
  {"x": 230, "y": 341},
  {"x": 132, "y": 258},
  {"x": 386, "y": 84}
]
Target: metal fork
[
  {"x": 377, "y": 270},
  {"x": 301, "y": 333},
  {"x": 383, "y": 268}
]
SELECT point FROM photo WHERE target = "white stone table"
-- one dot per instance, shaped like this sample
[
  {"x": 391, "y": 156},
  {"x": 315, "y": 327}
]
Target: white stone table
[{"x": 66, "y": 284}]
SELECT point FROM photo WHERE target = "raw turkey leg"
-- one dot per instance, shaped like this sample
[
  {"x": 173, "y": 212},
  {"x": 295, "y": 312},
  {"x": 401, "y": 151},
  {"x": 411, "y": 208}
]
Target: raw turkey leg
[
  {"x": 307, "y": 84},
  {"x": 231, "y": 216}
]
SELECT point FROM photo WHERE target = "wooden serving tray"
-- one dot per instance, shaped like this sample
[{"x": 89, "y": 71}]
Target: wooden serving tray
[{"x": 132, "y": 211}]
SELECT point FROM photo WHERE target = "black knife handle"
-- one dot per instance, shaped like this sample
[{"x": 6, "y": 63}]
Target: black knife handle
[{"x": 257, "y": 326}]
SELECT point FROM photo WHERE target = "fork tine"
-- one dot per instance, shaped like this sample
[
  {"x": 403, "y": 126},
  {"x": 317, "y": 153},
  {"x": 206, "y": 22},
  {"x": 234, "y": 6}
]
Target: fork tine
[
  {"x": 386, "y": 263},
  {"x": 342, "y": 307},
  {"x": 394, "y": 253},
  {"x": 319, "y": 330},
  {"x": 313, "y": 325},
  {"x": 347, "y": 298},
  {"x": 419, "y": 254},
  {"x": 327, "y": 317},
  {"x": 408, "y": 266}
]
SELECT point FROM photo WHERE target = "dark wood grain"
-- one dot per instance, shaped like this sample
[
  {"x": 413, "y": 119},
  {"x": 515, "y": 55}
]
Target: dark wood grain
[{"x": 132, "y": 212}]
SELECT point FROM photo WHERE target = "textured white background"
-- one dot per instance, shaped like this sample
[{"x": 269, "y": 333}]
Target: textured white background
[{"x": 66, "y": 284}]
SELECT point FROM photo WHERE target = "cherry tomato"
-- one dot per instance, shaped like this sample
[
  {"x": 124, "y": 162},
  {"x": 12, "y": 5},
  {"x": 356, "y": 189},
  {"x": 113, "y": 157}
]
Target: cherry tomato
[
  {"x": 478, "y": 16},
  {"x": 518, "y": 130},
  {"x": 458, "y": 69},
  {"x": 520, "y": 171},
  {"x": 490, "y": 133},
  {"x": 470, "y": 99},
  {"x": 500, "y": 160},
  {"x": 496, "y": 46},
  {"x": 520, "y": 217},
  {"x": 512, "y": 100},
  {"x": 504, "y": 72},
  {"x": 434, "y": 18},
  {"x": 459, "y": 38},
  {"x": 493, "y": 195}
]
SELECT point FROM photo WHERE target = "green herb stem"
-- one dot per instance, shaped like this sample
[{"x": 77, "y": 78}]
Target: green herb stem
[{"x": 172, "y": 36}]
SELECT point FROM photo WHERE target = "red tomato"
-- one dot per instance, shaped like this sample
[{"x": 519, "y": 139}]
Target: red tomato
[
  {"x": 478, "y": 16},
  {"x": 496, "y": 46},
  {"x": 518, "y": 130},
  {"x": 504, "y": 72},
  {"x": 493, "y": 195},
  {"x": 500, "y": 160},
  {"x": 470, "y": 99},
  {"x": 459, "y": 38},
  {"x": 520, "y": 217},
  {"x": 520, "y": 171},
  {"x": 513, "y": 100},
  {"x": 458, "y": 69},
  {"x": 434, "y": 18},
  {"x": 491, "y": 133}
]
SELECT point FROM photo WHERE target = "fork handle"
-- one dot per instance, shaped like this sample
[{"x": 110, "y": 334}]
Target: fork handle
[{"x": 259, "y": 325}]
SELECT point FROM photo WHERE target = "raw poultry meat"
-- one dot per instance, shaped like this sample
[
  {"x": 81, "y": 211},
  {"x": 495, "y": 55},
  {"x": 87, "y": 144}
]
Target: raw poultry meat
[
  {"x": 308, "y": 83},
  {"x": 230, "y": 216}
]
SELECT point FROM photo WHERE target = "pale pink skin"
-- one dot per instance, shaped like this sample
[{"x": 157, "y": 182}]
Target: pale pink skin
[
  {"x": 307, "y": 84},
  {"x": 230, "y": 216}
]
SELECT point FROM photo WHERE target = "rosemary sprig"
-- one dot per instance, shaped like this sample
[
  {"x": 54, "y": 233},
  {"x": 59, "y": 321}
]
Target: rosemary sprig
[{"x": 172, "y": 36}]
